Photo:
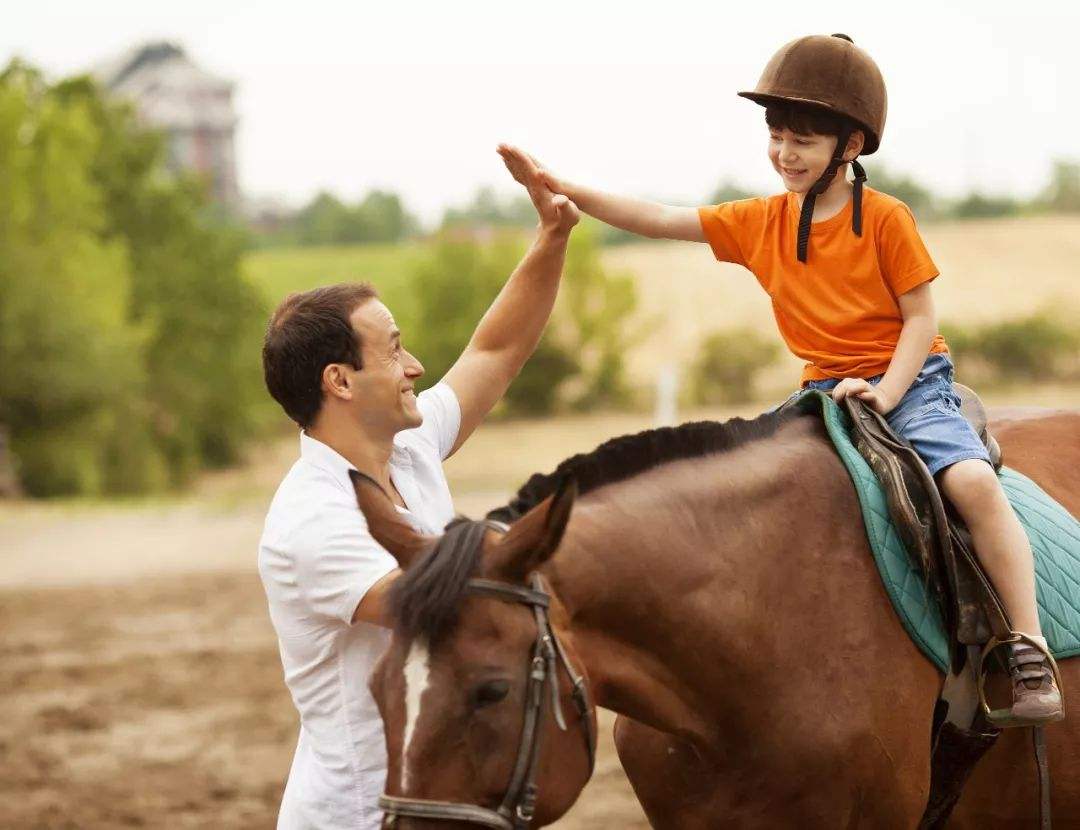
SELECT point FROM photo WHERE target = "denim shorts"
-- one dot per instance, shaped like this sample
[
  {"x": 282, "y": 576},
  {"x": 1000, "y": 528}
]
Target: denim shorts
[{"x": 928, "y": 416}]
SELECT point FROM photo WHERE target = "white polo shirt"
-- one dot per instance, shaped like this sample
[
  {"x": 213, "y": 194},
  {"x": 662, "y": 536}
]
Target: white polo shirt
[{"x": 317, "y": 560}]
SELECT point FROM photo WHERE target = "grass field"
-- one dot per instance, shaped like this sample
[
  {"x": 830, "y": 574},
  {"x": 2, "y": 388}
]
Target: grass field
[{"x": 991, "y": 269}]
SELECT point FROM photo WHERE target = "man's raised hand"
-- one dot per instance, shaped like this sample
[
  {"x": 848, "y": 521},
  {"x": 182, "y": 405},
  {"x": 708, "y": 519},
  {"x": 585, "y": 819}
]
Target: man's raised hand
[{"x": 556, "y": 210}]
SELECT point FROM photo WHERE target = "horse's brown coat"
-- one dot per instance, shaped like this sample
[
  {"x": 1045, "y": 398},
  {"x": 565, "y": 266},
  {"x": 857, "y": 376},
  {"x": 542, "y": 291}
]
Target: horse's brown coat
[{"x": 729, "y": 609}]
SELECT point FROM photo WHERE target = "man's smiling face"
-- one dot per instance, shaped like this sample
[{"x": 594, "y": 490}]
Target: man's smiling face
[
  {"x": 385, "y": 398},
  {"x": 799, "y": 159}
]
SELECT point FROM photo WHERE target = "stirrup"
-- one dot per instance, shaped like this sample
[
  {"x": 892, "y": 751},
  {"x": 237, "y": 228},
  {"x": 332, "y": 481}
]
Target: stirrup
[{"x": 1004, "y": 718}]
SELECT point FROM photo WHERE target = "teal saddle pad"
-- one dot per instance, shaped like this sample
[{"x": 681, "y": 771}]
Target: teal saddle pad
[{"x": 1052, "y": 530}]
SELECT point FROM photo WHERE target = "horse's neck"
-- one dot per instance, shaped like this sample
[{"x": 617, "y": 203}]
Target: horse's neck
[{"x": 679, "y": 579}]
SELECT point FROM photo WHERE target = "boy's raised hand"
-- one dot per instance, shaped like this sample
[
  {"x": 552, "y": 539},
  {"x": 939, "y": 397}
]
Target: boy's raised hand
[
  {"x": 524, "y": 167},
  {"x": 556, "y": 211}
]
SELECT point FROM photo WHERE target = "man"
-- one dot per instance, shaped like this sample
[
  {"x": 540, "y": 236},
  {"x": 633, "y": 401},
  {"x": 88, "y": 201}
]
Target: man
[{"x": 335, "y": 361}]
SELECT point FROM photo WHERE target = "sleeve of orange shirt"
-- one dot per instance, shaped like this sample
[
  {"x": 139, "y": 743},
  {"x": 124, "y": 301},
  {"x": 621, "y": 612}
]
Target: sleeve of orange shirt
[
  {"x": 728, "y": 226},
  {"x": 904, "y": 260}
]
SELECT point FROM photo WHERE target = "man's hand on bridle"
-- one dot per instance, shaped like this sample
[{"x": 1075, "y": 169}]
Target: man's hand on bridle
[{"x": 556, "y": 211}]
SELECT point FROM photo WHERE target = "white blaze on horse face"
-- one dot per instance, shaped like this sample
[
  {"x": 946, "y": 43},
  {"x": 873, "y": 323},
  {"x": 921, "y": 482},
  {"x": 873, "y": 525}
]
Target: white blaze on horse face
[{"x": 416, "y": 683}]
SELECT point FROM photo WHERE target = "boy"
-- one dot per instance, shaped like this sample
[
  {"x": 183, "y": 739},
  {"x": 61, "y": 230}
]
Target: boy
[{"x": 850, "y": 279}]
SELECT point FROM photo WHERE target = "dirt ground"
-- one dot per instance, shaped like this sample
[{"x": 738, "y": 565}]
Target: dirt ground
[
  {"x": 140, "y": 682},
  {"x": 160, "y": 703}
]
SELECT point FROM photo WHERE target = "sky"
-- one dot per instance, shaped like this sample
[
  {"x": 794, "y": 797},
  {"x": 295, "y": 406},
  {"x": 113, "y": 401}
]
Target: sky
[{"x": 634, "y": 98}]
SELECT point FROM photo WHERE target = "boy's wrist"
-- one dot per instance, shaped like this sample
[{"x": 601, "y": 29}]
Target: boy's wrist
[
  {"x": 891, "y": 395},
  {"x": 566, "y": 188}
]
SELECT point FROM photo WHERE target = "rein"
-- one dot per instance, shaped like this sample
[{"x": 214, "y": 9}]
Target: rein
[{"x": 519, "y": 803}]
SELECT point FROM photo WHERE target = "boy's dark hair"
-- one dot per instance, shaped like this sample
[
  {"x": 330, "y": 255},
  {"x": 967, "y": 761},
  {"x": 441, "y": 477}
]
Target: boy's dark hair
[
  {"x": 307, "y": 332},
  {"x": 806, "y": 120}
]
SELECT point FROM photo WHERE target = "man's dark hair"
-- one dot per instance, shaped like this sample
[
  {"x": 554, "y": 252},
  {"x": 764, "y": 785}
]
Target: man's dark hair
[
  {"x": 805, "y": 120},
  {"x": 306, "y": 333}
]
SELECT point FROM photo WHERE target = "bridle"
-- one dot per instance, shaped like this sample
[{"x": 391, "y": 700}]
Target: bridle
[{"x": 519, "y": 804}]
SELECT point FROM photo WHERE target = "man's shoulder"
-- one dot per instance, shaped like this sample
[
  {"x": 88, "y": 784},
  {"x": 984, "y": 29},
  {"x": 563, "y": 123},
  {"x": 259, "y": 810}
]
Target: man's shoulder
[{"x": 305, "y": 501}]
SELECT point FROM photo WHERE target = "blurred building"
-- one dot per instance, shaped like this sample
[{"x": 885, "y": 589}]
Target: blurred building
[{"x": 193, "y": 107}]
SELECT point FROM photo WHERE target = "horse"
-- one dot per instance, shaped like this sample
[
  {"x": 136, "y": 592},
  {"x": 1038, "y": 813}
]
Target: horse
[{"x": 713, "y": 585}]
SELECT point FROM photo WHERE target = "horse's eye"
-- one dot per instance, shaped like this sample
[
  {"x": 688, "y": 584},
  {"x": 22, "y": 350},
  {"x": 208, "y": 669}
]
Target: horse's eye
[{"x": 491, "y": 692}]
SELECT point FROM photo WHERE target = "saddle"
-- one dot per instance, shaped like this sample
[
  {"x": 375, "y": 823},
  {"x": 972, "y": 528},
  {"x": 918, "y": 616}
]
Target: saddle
[
  {"x": 973, "y": 613},
  {"x": 933, "y": 533}
]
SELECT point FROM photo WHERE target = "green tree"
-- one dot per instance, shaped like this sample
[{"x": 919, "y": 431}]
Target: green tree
[
  {"x": 980, "y": 206},
  {"x": 488, "y": 209},
  {"x": 453, "y": 288},
  {"x": 1062, "y": 194},
  {"x": 327, "y": 220},
  {"x": 905, "y": 188},
  {"x": 582, "y": 347},
  {"x": 728, "y": 191},
  {"x": 128, "y": 337},
  {"x": 383, "y": 218},
  {"x": 728, "y": 364},
  {"x": 69, "y": 368},
  {"x": 203, "y": 320},
  {"x": 598, "y": 309},
  {"x": 1044, "y": 345}
]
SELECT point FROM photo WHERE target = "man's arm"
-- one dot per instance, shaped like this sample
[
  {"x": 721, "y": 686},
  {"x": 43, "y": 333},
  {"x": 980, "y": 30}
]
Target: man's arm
[
  {"x": 372, "y": 607},
  {"x": 508, "y": 333},
  {"x": 639, "y": 216}
]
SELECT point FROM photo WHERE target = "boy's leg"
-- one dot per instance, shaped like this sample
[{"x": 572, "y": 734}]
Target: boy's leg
[
  {"x": 1003, "y": 548},
  {"x": 1000, "y": 541},
  {"x": 929, "y": 417}
]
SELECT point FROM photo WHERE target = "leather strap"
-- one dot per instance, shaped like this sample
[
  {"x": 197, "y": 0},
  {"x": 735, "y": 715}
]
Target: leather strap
[
  {"x": 441, "y": 810},
  {"x": 1043, "y": 768},
  {"x": 819, "y": 187},
  {"x": 519, "y": 803},
  {"x": 508, "y": 593},
  {"x": 856, "y": 197}
]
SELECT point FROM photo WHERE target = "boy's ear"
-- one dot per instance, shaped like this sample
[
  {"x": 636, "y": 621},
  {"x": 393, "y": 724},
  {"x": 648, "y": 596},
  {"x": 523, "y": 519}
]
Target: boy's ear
[{"x": 855, "y": 143}]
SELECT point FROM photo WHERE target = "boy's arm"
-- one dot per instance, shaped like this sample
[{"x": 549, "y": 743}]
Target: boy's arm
[
  {"x": 920, "y": 328},
  {"x": 639, "y": 216}
]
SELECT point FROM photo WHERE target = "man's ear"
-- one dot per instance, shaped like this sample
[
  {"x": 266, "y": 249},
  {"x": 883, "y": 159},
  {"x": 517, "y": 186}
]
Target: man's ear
[
  {"x": 534, "y": 537},
  {"x": 335, "y": 381},
  {"x": 385, "y": 523}
]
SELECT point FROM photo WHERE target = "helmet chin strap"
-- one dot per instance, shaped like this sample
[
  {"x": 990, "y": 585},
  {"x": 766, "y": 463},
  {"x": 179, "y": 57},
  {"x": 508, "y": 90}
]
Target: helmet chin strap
[{"x": 822, "y": 184}]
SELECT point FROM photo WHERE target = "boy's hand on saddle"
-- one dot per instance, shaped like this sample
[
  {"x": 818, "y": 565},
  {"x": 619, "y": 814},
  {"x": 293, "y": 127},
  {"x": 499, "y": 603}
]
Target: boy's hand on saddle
[{"x": 873, "y": 396}]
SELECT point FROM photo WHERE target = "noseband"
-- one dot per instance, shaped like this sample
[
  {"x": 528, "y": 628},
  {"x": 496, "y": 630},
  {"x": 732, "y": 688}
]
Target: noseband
[{"x": 519, "y": 804}]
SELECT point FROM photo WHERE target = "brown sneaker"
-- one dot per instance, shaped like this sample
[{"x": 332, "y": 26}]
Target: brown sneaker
[{"x": 1036, "y": 697}]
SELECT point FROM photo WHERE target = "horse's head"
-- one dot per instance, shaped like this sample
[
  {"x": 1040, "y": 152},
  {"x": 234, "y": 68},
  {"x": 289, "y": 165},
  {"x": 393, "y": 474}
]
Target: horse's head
[{"x": 477, "y": 694}]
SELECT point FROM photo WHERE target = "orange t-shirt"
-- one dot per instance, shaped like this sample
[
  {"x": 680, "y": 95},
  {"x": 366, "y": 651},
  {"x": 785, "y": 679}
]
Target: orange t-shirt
[{"x": 838, "y": 310}]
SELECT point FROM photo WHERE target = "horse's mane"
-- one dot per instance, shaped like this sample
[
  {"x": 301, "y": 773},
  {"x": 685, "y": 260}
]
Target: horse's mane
[
  {"x": 629, "y": 455},
  {"x": 424, "y": 600}
]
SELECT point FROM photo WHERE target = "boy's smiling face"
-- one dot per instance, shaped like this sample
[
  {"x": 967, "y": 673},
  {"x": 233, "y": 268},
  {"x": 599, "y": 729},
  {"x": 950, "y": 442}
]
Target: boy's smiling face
[{"x": 801, "y": 158}]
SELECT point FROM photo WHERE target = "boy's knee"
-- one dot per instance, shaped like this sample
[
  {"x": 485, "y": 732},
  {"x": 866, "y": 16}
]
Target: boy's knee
[{"x": 970, "y": 483}]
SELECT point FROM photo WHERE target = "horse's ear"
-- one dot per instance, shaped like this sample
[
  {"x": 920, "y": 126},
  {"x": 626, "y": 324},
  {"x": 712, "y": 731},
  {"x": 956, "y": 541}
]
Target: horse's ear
[
  {"x": 533, "y": 538},
  {"x": 385, "y": 523}
]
